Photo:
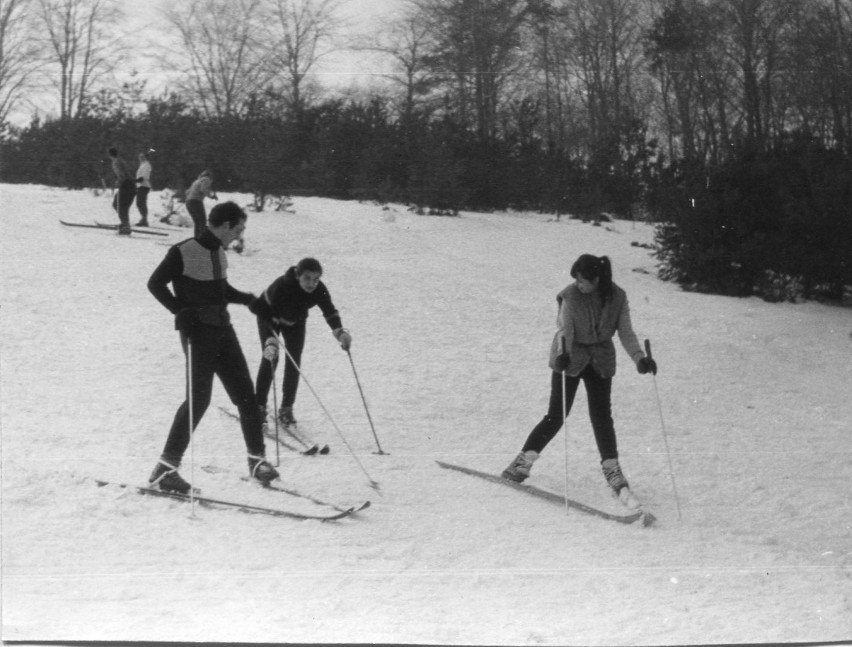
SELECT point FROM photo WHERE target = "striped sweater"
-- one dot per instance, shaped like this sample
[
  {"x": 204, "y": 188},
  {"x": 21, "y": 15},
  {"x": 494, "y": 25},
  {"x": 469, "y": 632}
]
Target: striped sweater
[{"x": 197, "y": 268}]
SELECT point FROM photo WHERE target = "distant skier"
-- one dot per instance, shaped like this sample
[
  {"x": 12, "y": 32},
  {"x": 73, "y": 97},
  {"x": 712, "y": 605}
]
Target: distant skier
[
  {"x": 197, "y": 270},
  {"x": 289, "y": 297},
  {"x": 143, "y": 181},
  {"x": 198, "y": 190},
  {"x": 126, "y": 191},
  {"x": 591, "y": 311}
]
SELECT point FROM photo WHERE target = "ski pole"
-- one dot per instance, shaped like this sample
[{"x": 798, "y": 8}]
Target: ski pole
[
  {"x": 565, "y": 425},
  {"x": 364, "y": 400},
  {"x": 275, "y": 415},
  {"x": 665, "y": 436},
  {"x": 189, "y": 400},
  {"x": 373, "y": 484}
]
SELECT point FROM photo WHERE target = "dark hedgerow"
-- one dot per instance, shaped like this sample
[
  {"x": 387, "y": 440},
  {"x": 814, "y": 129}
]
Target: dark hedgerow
[{"x": 776, "y": 225}]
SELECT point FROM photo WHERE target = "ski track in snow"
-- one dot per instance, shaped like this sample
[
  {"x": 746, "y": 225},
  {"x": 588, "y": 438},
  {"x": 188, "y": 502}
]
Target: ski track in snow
[{"x": 452, "y": 320}]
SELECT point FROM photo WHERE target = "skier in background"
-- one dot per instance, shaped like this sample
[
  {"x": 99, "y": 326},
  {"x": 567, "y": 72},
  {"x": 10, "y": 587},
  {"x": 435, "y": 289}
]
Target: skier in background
[
  {"x": 126, "y": 191},
  {"x": 143, "y": 181},
  {"x": 591, "y": 311},
  {"x": 289, "y": 298},
  {"x": 199, "y": 298},
  {"x": 198, "y": 190}
]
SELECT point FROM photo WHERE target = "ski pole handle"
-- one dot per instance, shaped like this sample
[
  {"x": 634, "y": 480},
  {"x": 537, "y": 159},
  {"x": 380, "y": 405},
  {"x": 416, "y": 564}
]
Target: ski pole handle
[{"x": 648, "y": 349}]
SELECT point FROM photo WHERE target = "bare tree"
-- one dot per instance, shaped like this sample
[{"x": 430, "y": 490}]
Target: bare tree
[
  {"x": 299, "y": 34},
  {"x": 406, "y": 40},
  {"x": 478, "y": 46},
  {"x": 82, "y": 46},
  {"x": 18, "y": 54},
  {"x": 223, "y": 58},
  {"x": 601, "y": 44}
]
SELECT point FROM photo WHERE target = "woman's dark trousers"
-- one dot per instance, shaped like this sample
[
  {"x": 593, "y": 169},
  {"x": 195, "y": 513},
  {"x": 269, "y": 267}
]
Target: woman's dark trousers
[
  {"x": 142, "y": 202},
  {"x": 598, "y": 391},
  {"x": 294, "y": 342},
  {"x": 196, "y": 211}
]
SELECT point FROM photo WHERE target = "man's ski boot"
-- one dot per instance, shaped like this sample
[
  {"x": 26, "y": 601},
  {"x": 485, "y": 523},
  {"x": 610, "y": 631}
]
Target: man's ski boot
[
  {"x": 261, "y": 470},
  {"x": 142, "y": 223},
  {"x": 615, "y": 478},
  {"x": 519, "y": 469},
  {"x": 124, "y": 229},
  {"x": 165, "y": 477},
  {"x": 285, "y": 417}
]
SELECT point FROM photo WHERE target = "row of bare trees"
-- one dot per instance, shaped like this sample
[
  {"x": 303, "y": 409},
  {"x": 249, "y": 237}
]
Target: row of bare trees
[
  {"x": 218, "y": 54},
  {"x": 703, "y": 76},
  {"x": 590, "y": 79},
  {"x": 236, "y": 50},
  {"x": 66, "y": 47},
  {"x": 748, "y": 70}
]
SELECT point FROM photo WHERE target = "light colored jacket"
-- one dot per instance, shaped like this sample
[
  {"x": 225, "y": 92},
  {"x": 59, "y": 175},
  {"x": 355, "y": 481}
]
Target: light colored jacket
[
  {"x": 588, "y": 326},
  {"x": 144, "y": 172},
  {"x": 201, "y": 188}
]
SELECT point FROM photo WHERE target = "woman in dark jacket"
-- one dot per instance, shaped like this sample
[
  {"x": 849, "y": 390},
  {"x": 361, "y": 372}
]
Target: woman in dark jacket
[
  {"x": 591, "y": 311},
  {"x": 289, "y": 298}
]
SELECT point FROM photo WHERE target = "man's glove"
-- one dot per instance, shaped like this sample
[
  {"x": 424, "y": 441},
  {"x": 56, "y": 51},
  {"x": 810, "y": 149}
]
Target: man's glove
[
  {"x": 261, "y": 308},
  {"x": 343, "y": 338},
  {"x": 562, "y": 362},
  {"x": 187, "y": 320},
  {"x": 646, "y": 365},
  {"x": 270, "y": 349}
]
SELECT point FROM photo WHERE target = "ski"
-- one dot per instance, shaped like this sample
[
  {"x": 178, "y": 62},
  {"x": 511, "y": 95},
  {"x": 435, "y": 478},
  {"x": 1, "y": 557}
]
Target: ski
[
  {"x": 167, "y": 227},
  {"x": 111, "y": 227},
  {"x": 297, "y": 434},
  {"x": 646, "y": 517},
  {"x": 277, "y": 486},
  {"x": 137, "y": 229},
  {"x": 234, "y": 505},
  {"x": 268, "y": 433}
]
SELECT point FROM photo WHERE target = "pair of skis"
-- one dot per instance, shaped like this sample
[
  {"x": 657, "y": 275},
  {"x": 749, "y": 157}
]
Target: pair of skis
[{"x": 339, "y": 512}]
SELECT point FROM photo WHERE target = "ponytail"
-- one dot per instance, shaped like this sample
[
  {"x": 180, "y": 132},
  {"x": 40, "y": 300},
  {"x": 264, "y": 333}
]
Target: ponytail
[{"x": 595, "y": 267}]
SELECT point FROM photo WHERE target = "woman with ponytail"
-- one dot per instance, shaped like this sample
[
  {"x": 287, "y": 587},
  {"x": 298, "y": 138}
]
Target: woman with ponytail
[{"x": 590, "y": 313}]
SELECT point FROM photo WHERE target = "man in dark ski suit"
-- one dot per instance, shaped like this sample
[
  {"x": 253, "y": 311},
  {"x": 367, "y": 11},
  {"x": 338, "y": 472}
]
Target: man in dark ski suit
[
  {"x": 197, "y": 270},
  {"x": 126, "y": 190}
]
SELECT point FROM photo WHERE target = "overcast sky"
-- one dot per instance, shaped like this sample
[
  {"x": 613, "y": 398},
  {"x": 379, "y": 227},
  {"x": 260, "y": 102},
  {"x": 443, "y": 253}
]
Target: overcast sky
[{"x": 339, "y": 70}]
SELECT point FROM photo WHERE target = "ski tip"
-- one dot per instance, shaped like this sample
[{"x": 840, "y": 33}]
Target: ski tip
[{"x": 647, "y": 519}]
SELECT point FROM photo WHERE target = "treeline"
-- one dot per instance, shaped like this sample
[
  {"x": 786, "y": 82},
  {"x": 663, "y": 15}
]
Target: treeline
[{"x": 337, "y": 148}]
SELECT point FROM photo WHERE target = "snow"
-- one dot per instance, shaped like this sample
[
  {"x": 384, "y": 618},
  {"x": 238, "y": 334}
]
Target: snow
[{"x": 451, "y": 320}]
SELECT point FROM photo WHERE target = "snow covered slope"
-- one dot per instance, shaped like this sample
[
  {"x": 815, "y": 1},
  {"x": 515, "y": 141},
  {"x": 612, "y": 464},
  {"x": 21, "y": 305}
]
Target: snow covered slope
[{"x": 452, "y": 320}]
